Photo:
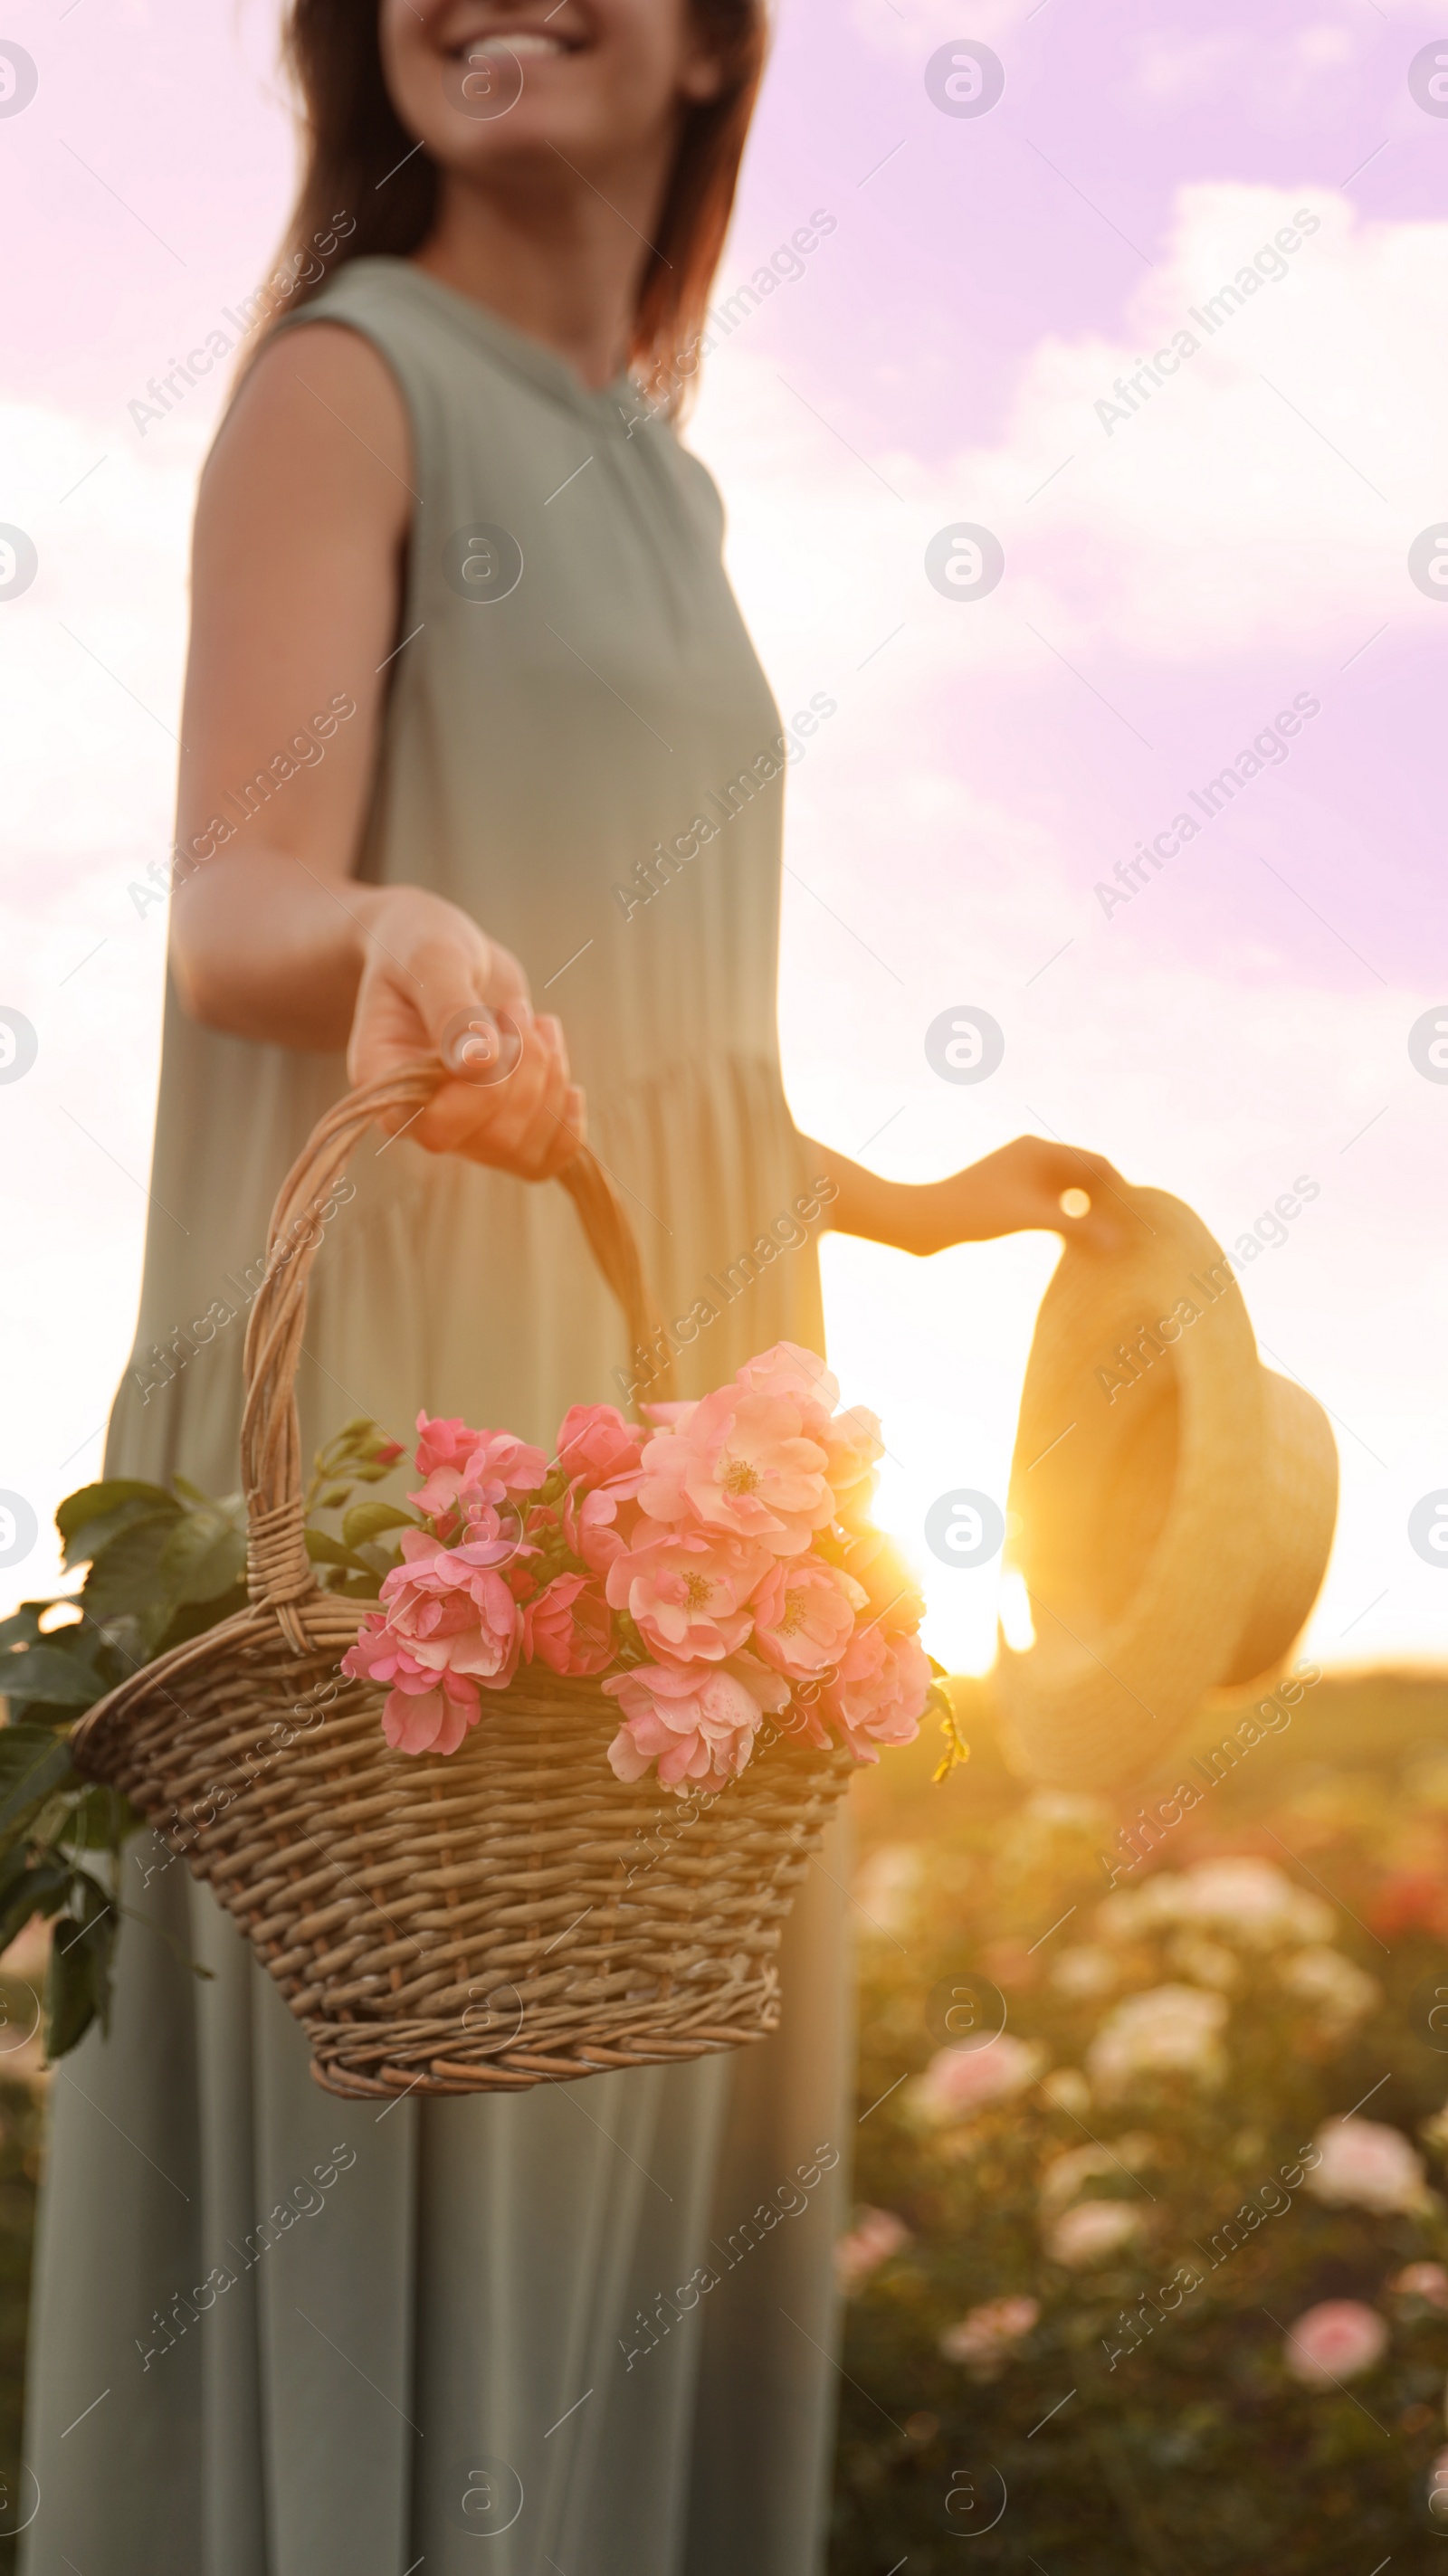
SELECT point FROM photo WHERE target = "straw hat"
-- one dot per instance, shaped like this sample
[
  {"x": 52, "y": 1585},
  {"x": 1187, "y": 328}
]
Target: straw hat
[{"x": 1171, "y": 1503}]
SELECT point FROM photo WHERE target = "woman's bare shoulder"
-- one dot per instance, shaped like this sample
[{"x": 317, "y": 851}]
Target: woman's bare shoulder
[{"x": 316, "y": 435}]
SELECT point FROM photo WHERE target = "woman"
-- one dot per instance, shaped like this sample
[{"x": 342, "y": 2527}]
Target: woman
[{"x": 464, "y": 667}]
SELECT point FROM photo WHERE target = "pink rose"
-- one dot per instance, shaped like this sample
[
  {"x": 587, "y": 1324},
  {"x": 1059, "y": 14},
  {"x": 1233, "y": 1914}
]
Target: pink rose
[
  {"x": 425, "y": 1711},
  {"x": 804, "y": 1615},
  {"x": 595, "y": 1443},
  {"x": 453, "y": 1609},
  {"x": 880, "y": 1694},
  {"x": 443, "y": 1443},
  {"x": 742, "y": 1464},
  {"x": 599, "y": 1523},
  {"x": 875, "y": 2236},
  {"x": 686, "y": 1590},
  {"x": 494, "y": 1470},
  {"x": 698, "y": 1722},
  {"x": 567, "y": 1626},
  {"x": 1339, "y": 2339},
  {"x": 986, "y": 2339},
  {"x": 795, "y": 1375}
]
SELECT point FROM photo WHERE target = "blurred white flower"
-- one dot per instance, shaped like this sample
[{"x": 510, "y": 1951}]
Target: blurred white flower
[
  {"x": 1367, "y": 2165},
  {"x": 960, "y": 2081},
  {"x": 986, "y": 2339},
  {"x": 1425, "y": 2281},
  {"x": 1067, "y": 2087},
  {"x": 1066, "y": 2175},
  {"x": 875, "y": 2236},
  {"x": 887, "y": 1885},
  {"x": 1171, "y": 2030},
  {"x": 1207, "y": 1963},
  {"x": 1092, "y": 2230},
  {"x": 1087, "y": 1969},
  {"x": 1252, "y": 1901},
  {"x": 1341, "y": 1991}
]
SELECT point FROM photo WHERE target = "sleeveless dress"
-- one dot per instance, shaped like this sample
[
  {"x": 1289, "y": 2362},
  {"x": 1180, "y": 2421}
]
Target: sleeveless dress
[{"x": 279, "y": 2334}]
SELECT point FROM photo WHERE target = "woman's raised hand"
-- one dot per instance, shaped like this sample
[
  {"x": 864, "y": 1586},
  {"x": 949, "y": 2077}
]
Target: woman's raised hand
[{"x": 428, "y": 969}]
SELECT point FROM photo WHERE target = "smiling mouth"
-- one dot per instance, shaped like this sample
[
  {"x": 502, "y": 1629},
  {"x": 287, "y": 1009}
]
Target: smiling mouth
[{"x": 534, "y": 43}]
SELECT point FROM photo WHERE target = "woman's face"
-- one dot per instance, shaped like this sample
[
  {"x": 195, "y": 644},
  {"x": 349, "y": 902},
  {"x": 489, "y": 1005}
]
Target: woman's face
[{"x": 488, "y": 83}]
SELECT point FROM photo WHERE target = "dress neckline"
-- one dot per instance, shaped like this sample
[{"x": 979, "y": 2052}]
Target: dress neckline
[{"x": 515, "y": 349}]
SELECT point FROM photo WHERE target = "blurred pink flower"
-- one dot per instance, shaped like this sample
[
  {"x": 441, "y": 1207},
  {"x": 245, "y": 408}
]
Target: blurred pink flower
[
  {"x": 595, "y": 1443},
  {"x": 1367, "y": 2165},
  {"x": 789, "y": 1371},
  {"x": 875, "y": 2236},
  {"x": 697, "y": 1721},
  {"x": 1092, "y": 2230},
  {"x": 804, "y": 1615},
  {"x": 986, "y": 2339},
  {"x": 960, "y": 2081},
  {"x": 567, "y": 1626},
  {"x": 742, "y": 1463},
  {"x": 1170, "y": 2030},
  {"x": 686, "y": 1590},
  {"x": 1425, "y": 2281},
  {"x": 879, "y": 1696},
  {"x": 1338, "y": 2339}
]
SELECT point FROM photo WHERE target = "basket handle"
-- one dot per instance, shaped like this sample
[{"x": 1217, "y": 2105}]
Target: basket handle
[{"x": 279, "y": 1569}]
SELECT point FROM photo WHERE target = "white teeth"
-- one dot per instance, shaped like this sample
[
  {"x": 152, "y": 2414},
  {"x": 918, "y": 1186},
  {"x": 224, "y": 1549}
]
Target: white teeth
[{"x": 519, "y": 44}]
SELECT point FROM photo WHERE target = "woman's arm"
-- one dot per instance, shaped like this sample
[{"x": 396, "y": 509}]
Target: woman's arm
[
  {"x": 1019, "y": 1187},
  {"x": 301, "y": 530}
]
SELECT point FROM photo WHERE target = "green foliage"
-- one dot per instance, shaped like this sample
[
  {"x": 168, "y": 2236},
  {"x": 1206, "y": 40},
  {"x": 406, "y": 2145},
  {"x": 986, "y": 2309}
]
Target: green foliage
[
  {"x": 161, "y": 1564},
  {"x": 1143, "y": 2417}
]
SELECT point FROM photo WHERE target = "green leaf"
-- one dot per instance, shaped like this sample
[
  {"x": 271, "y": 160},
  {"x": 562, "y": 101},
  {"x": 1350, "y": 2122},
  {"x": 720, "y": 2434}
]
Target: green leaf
[
  {"x": 368, "y": 1520},
  {"x": 94, "y": 1502},
  {"x": 204, "y": 1553},
  {"x": 45, "y": 1673},
  {"x": 78, "y": 1987},
  {"x": 23, "y": 1627},
  {"x": 29, "y": 1888},
  {"x": 92, "y": 1539},
  {"x": 329, "y": 1551},
  {"x": 32, "y": 1771},
  {"x": 195, "y": 1617}
]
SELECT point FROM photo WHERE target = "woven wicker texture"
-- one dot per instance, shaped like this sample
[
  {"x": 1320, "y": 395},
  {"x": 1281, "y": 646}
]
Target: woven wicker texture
[
  {"x": 1172, "y": 1503},
  {"x": 510, "y": 1915}
]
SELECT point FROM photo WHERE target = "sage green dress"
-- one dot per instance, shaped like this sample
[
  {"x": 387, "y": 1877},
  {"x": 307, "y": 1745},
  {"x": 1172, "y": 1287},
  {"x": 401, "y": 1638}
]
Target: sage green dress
[{"x": 461, "y": 2314}]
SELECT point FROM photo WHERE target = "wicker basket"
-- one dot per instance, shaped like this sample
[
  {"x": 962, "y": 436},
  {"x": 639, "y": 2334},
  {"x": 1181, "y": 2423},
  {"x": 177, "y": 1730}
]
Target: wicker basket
[{"x": 510, "y": 1915}]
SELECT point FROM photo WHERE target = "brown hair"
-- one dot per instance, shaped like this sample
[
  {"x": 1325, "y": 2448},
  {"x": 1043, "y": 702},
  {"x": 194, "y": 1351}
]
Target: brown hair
[{"x": 362, "y": 171}]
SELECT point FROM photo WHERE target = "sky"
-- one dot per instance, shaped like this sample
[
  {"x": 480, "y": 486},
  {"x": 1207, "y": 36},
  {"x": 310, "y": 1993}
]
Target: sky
[{"x": 1181, "y": 560}]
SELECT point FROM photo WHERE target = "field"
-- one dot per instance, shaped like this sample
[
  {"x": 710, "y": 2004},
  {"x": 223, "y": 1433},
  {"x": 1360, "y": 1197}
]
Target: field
[{"x": 1102, "y": 2167}]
